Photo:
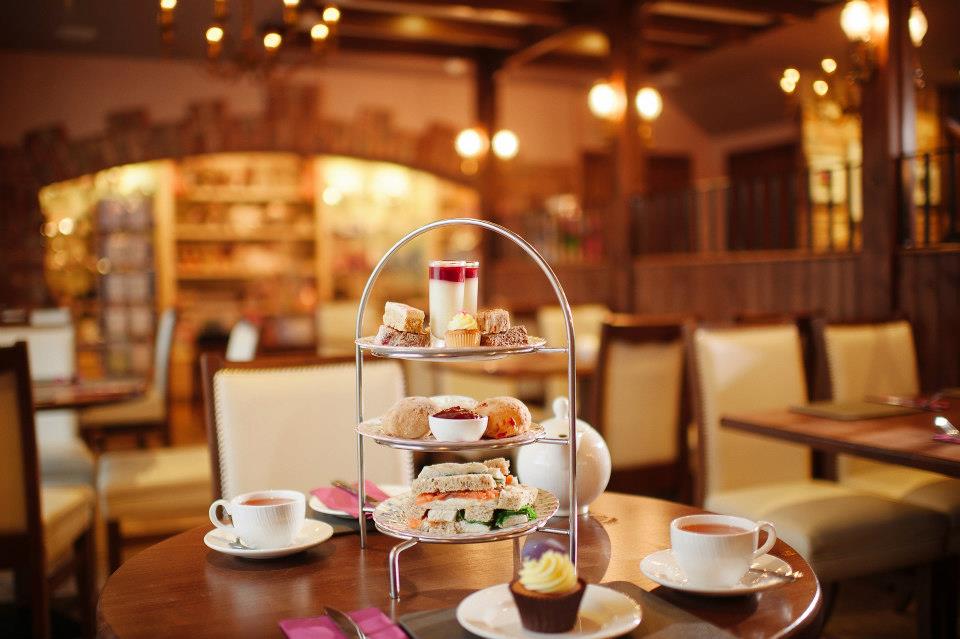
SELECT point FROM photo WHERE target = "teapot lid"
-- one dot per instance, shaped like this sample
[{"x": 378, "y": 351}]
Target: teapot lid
[{"x": 559, "y": 424}]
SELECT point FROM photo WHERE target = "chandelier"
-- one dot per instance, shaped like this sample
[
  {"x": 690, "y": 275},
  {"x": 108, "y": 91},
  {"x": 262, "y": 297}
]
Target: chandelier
[{"x": 254, "y": 49}]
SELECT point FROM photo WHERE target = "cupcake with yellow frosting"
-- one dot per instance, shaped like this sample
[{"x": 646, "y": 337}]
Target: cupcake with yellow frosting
[
  {"x": 462, "y": 330},
  {"x": 548, "y": 593}
]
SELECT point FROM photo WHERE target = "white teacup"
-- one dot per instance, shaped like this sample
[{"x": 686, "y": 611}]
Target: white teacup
[
  {"x": 263, "y": 519},
  {"x": 715, "y": 551}
]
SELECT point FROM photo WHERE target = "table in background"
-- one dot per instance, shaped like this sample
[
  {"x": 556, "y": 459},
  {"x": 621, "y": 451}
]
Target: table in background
[
  {"x": 906, "y": 440},
  {"x": 84, "y": 393},
  {"x": 181, "y": 588}
]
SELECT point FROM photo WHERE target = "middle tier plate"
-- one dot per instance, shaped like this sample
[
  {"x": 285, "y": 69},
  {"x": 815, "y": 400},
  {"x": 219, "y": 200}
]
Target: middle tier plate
[
  {"x": 390, "y": 517},
  {"x": 371, "y": 428}
]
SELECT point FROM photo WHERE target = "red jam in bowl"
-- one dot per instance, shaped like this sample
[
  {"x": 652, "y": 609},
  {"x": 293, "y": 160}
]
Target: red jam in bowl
[{"x": 456, "y": 412}]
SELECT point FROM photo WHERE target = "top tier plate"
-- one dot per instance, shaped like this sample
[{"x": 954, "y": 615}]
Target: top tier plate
[{"x": 445, "y": 354}]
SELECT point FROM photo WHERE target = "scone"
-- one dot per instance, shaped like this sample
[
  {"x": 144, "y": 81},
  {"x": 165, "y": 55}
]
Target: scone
[
  {"x": 493, "y": 320},
  {"x": 506, "y": 417},
  {"x": 403, "y": 317},
  {"x": 409, "y": 418}
]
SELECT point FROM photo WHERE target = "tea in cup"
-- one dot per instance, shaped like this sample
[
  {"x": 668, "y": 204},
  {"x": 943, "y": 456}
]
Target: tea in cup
[
  {"x": 715, "y": 551},
  {"x": 263, "y": 519}
]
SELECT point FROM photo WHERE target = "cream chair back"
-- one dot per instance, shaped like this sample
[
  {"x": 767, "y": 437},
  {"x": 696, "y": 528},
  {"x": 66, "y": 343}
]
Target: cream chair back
[
  {"x": 19, "y": 492},
  {"x": 869, "y": 359},
  {"x": 51, "y": 349},
  {"x": 50, "y": 316},
  {"x": 242, "y": 344},
  {"x": 587, "y": 321},
  {"x": 639, "y": 412},
  {"x": 52, "y": 357},
  {"x": 161, "y": 354},
  {"x": 337, "y": 325},
  {"x": 746, "y": 369},
  {"x": 292, "y": 426}
]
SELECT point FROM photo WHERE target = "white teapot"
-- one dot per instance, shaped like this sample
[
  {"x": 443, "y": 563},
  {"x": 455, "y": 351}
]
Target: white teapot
[{"x": 545, "y": 465}]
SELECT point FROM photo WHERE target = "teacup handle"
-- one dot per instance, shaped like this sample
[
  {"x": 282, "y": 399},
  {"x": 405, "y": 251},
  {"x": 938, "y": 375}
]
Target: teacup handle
[
  {"x": 771, "y": 538},
  {"x": 214, "y": 518}
]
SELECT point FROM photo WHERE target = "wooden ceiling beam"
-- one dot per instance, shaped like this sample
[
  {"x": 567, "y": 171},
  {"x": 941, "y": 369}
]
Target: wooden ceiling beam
[
  {"x": 389, "y": 26},
  {"x": 412, "y": 47},
  {"x": 542, "y": 46},
  {"x": 541, "y": 12},
  {"x": 796, "y": 8},
  {"x": 706, "y": 28}
]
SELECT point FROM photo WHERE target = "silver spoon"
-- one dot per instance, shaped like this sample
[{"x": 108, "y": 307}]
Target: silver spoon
[
  {"x": 239, "y": 545},
  {"x": 944, "y": 425}
]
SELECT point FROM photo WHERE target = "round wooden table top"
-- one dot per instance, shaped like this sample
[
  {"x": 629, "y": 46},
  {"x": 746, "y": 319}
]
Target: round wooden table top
[
  {"x": 181, "y": 588},
  {"x": 85, "y": 393}
]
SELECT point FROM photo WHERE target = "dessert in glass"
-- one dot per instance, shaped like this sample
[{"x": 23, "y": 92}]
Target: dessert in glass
[
  {"x": 446, "y": 294},
  {"x": 471, "y": 274}
]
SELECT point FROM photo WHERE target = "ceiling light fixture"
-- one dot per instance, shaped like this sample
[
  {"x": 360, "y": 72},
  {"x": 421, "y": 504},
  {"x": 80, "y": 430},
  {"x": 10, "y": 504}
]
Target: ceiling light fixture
[
  {"x": 605, "y": 101},
  {"x": 917, "y": 24},
  {"x": 505, "y": 144},
  {"x": 649, "y": 103}
]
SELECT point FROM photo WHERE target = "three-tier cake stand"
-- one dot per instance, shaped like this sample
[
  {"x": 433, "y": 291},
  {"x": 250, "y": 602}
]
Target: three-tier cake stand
[{"x": 411, "y": 537}]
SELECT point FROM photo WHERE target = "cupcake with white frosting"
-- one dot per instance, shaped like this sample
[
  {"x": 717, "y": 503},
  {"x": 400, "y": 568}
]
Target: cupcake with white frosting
[
  {"x": 462, "y": 331},
  {"x": 548, "y": 593}
]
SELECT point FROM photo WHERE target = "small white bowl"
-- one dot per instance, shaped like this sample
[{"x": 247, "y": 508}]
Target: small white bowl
[{"x": 457, "y": 430}]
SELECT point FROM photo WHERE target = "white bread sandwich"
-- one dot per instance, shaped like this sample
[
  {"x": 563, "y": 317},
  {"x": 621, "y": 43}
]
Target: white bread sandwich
[{"x": 467, "y": 498}]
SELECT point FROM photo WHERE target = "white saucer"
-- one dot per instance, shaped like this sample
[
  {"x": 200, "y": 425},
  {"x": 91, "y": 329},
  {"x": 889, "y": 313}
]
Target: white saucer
[
  {"x": 662, "y": 568},
  {"x": 312, "y": 533},
  {"x": 604, "y": 613},
  {"x": 390, "y": 489}
]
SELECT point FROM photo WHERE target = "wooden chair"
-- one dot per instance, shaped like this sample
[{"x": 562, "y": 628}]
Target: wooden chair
[
  {"x": 242, "y": 344},
  {"x": 840, "y": 531},
  {"x": 641, "y": 407},
  {"x": 289, "y": 422},
  {"x": 45, "y": 532},
  {"x": 143, "y": 415},
  {"x": 587, "y": 322},
  {"x": 879, "y": 358}
]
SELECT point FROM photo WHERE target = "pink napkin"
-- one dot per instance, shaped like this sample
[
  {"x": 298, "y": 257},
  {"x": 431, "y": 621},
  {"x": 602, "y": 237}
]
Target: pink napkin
[
  {"x": 339, "y": 499},
  {"x": 372, "y": 621},
  {"x": 947, "y": 438}
]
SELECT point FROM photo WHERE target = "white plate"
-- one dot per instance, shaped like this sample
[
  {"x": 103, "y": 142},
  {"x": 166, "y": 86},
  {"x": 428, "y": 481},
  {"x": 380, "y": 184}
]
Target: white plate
[
  {"x": 662, "y": 568},
  {"x": 390, "y": 516},
  {"x": 443, "y": 353},
  {"x": 312, "y": 533},
  {"x": 604, "y": 613},
  {"x": 371, "y": 428},
  {"x": 320, "y": 507}
]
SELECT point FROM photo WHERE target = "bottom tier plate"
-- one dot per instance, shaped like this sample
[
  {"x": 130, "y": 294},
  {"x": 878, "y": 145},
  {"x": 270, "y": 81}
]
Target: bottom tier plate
[{"x": 390, "y": 517}]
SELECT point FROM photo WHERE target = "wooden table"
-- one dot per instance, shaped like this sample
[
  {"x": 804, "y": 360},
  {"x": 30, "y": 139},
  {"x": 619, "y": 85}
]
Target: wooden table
[
  {"x": 906, "y": 440},
  {"x": 84, "y": 393},
  {"x": 180, "y": 588}
]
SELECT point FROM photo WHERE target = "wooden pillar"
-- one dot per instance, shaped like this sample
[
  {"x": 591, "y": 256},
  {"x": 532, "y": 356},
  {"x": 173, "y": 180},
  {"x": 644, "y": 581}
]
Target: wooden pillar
[
  {"x": 485, "y": 116},
  {"x": 888, "y": 117},
  {"x": 623, "y": 29}
]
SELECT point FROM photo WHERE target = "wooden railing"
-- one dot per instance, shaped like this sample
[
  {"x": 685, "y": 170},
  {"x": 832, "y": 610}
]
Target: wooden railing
[
  {"x": 930, "y": 211},
  {"x": 817, "y": 209}
]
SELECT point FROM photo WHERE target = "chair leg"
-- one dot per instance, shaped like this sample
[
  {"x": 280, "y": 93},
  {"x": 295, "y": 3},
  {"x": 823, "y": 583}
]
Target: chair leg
[
  {"x": 937, "y": 588},
  {"x": 114, "y": 545},
  {"x": 33, "y": 593},
  {"x": 85, "y": 573}
]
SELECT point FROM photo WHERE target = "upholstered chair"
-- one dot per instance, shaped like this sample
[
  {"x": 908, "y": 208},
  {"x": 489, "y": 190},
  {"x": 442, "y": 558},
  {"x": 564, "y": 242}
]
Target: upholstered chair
[
  {"x": 64, "y": 457},
  {"x": 242, "y": 343},
  {"x": 337, "y": 325},
  {"x": 866, "y": 359},
  {"x": 841, "y": 531},
  {"x": 142, "y": 415},
  {"x": 587, "y": 321},
  {"x": 290, "y": 423},
  {"x": 44, "y": 529},
  {"x": 640, "y": 406}
]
